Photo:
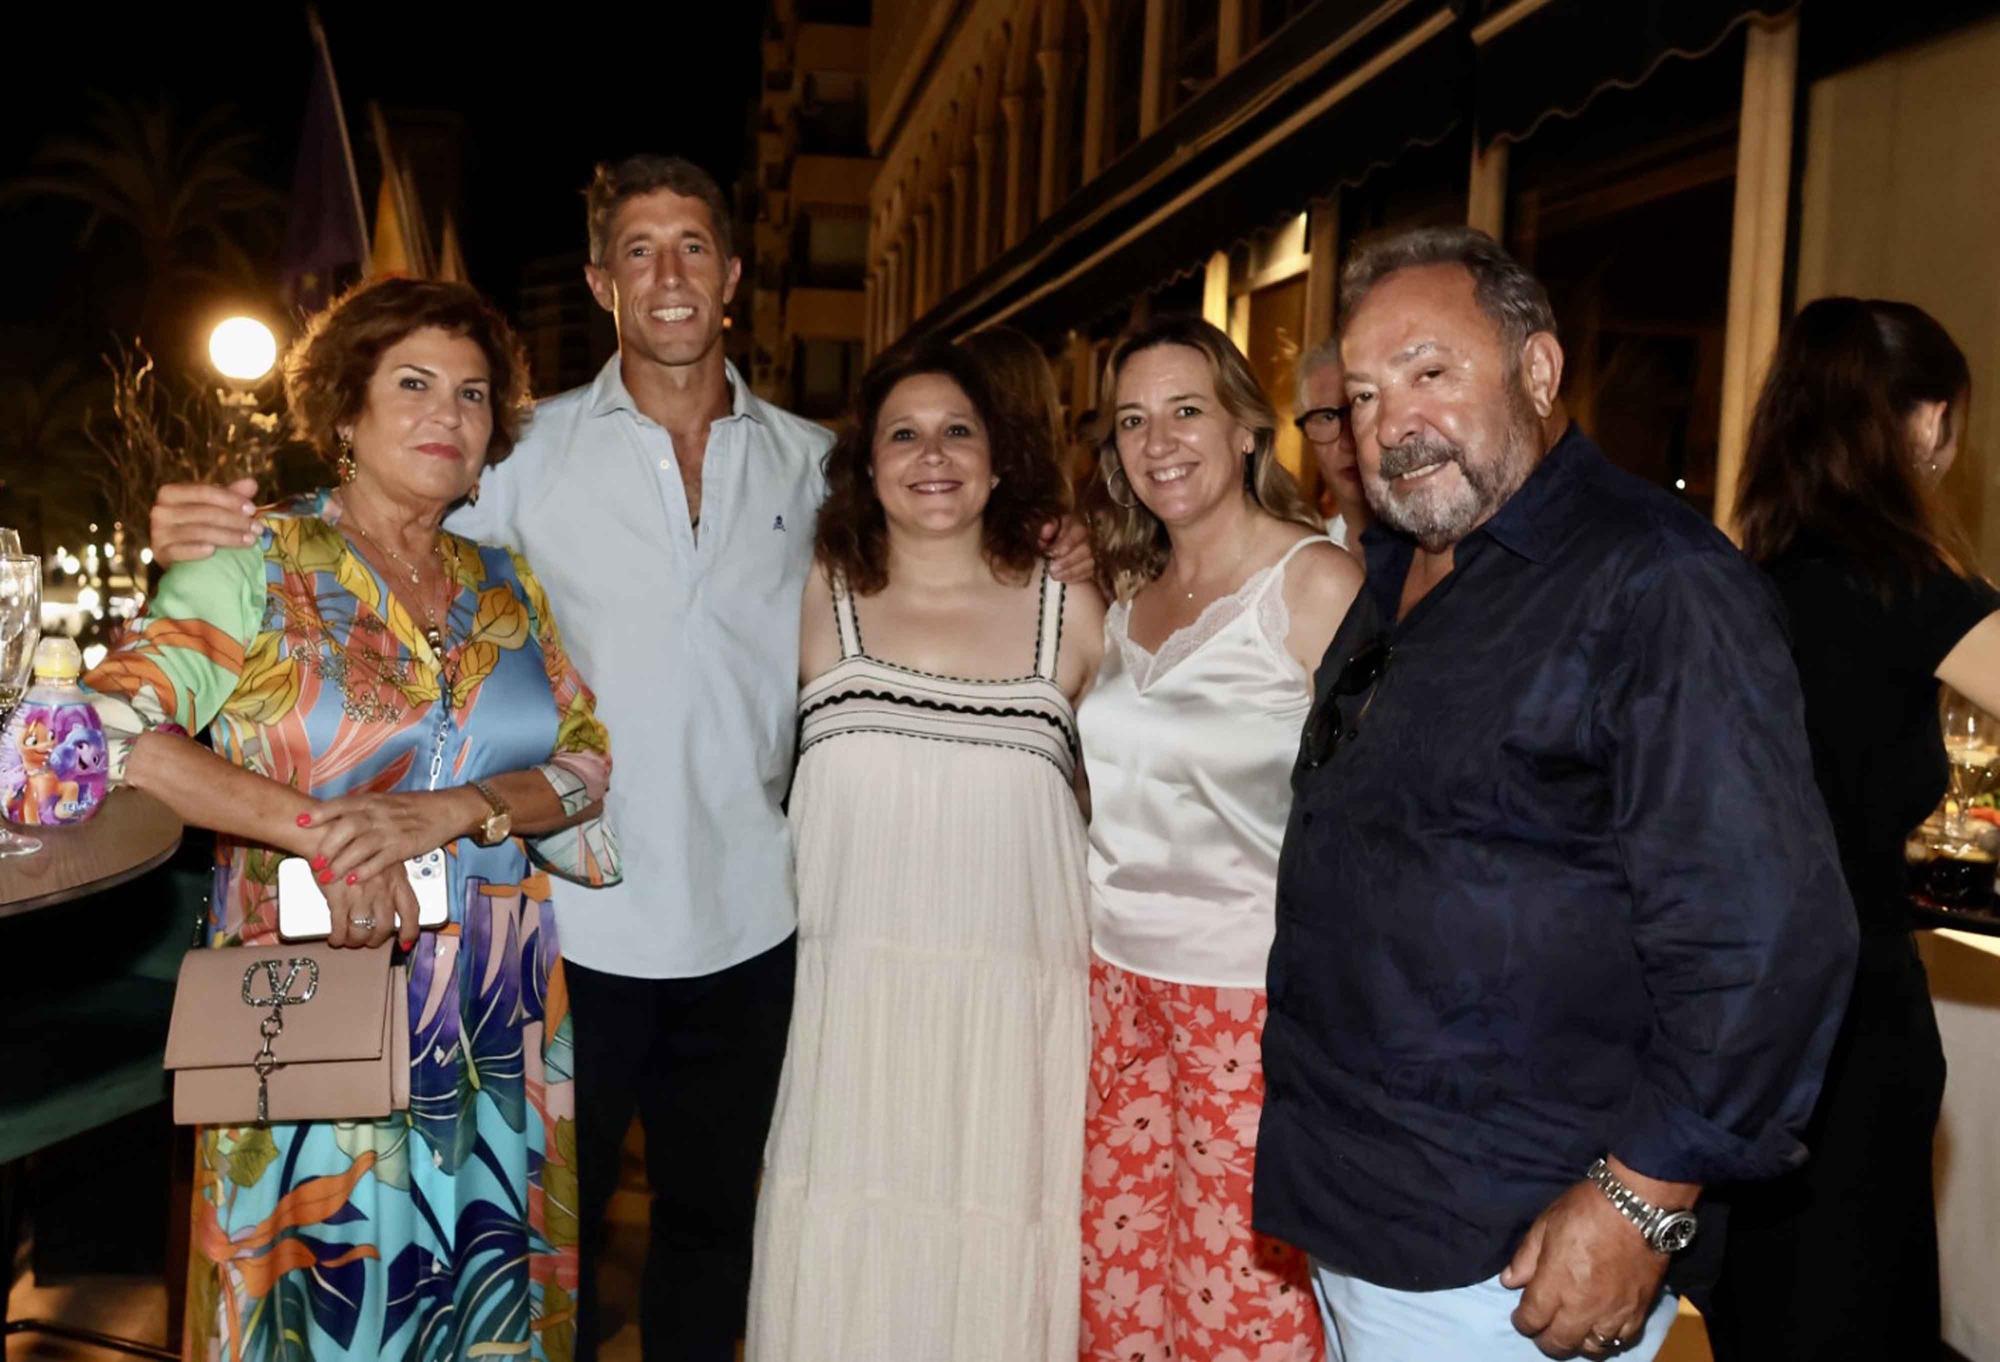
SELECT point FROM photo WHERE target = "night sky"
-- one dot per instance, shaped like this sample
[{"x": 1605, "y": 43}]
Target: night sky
[{"x": 543, "y": 94}]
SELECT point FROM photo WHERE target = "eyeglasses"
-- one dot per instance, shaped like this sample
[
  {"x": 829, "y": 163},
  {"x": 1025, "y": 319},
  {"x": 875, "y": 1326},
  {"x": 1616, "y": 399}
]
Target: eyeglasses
[
  {"x": 1324, "y": 730},
  {"x": 1322, "y": 425}
]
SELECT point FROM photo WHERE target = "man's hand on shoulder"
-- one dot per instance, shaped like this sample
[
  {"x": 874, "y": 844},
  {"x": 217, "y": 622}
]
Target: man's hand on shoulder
[
  {"x": 1066, "y": 544},
  {"x": 192, "y": 520},
  {"x": 1586, "y": 1273}
]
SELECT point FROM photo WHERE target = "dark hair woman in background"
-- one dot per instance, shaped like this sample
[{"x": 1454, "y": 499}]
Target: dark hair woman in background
[{"x": 1859, "y": 420}]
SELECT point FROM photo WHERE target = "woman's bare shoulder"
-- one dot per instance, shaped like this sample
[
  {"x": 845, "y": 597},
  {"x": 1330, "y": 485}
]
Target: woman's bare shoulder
[{"x": 1321, "y": 581}]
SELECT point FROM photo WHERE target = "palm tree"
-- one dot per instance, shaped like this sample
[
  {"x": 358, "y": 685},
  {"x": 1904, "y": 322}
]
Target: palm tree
[
  {"x": 45, "y": 449},
  {"x": 184, "y": 192}
]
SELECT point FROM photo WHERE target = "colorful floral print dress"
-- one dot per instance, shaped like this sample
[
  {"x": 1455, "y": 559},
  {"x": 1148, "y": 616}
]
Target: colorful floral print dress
[{"x": 449, "y": 1230}]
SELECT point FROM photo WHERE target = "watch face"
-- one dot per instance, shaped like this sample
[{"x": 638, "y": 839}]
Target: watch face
[{"x": 1676, "y": 1232}]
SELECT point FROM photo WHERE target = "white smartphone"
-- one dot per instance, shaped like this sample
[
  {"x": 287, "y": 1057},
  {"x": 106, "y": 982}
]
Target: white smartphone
[{"x": 304, "y": 916}]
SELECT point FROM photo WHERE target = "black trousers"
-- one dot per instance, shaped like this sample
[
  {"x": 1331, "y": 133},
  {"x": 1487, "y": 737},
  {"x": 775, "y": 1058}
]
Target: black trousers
[
  {"x": 1839, "y": 1260},
  {"x": 697, "y": 1061}
]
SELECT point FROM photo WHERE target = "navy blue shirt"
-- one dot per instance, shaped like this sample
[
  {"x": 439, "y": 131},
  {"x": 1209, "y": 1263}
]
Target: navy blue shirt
[{"x": 1567, "y": 889}]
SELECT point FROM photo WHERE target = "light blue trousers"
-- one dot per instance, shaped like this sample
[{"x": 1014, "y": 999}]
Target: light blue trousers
[{"x": 1367, "y": 1323}]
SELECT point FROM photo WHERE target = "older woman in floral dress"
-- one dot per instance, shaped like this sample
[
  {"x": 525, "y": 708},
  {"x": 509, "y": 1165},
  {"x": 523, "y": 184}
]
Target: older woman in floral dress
[{"x": 374, "y": 688}]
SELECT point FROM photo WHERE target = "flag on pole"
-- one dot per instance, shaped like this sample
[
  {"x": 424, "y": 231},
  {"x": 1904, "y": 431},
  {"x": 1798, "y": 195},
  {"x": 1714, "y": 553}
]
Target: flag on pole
[
  {"x": 391, "y": 253},
  {"x": 451, "y": 257},
  {"x": 326, "y": 239},
  {"x": 402, "y": 244}
]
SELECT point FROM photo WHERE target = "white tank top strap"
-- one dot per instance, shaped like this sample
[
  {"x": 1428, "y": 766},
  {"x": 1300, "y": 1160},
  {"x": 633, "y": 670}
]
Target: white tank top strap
[
  {"x": 1048, "y": 631},
  {"x": 1278, "y": 568},
  {"x": 843, "y": 615}
]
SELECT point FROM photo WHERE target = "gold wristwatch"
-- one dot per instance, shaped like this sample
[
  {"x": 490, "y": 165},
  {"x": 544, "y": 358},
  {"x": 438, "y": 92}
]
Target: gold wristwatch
[{"x": 499, "y": 823}]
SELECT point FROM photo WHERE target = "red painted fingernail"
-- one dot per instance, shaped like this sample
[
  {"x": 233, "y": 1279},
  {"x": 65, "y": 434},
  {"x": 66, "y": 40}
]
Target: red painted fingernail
[
  {"x": 326, "y": 877},
  {"x": 305, "y": 820},
  {"x": 354, "y": 879},
  {"x": 319, "y": 863}
]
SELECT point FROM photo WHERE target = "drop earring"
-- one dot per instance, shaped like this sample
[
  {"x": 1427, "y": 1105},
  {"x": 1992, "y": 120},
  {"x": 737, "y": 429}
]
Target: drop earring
[{"x": 345, "y": 463}]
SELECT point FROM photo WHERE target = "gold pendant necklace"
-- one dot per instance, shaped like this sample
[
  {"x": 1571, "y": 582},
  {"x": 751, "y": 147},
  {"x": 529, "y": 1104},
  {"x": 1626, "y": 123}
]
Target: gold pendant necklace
[
  {"x": 433, "y": 633},
  {"x": 1244, "y": 553}
]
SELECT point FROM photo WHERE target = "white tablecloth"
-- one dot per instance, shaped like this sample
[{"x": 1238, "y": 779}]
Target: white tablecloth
[{"x": 1965, "y": 986}]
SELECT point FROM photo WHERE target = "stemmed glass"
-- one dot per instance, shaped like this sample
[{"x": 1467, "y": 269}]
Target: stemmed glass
[
  {"x": 20, "y": 629},
  {"x": 1972, "y": 744}
]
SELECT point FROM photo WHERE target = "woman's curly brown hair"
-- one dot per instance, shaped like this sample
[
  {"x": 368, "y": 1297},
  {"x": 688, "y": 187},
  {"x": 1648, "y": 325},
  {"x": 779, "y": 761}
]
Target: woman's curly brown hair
[
  {"x": 327, "y": 370},
  {"x": 852, "y": 537}
]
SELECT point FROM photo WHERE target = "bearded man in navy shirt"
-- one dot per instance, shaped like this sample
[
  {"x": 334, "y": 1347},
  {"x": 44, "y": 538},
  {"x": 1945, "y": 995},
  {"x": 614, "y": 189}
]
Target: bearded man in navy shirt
[{"x": 1562, "y": 934}]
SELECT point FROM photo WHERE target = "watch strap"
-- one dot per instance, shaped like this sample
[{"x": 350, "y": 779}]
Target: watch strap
[
  {"x": 1648, "y": 1218},
  {"x": 496, "y": 803}
]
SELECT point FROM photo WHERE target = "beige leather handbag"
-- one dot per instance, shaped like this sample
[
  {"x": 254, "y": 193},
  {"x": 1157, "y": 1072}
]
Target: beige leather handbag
[{"x": 289, "y": 1032}]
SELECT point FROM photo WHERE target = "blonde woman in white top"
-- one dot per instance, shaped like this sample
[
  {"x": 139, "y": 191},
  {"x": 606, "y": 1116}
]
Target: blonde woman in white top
[{"x": 1225, "y": 596}]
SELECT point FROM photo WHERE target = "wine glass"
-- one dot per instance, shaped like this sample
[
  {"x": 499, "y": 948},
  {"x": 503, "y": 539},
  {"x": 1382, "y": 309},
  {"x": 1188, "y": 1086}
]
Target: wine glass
[
  {"x": 1972, "y": 745},
  {"x": 20, "y": 629}
]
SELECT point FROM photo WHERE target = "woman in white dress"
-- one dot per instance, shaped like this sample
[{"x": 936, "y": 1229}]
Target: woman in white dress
[
  {"x": 920, "y": 1198},
  {"x": 1227, "y": 595}
]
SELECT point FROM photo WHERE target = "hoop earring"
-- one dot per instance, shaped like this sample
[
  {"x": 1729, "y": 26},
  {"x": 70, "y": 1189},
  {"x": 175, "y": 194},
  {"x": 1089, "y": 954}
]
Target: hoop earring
[{"x": 1114, "y": 479}]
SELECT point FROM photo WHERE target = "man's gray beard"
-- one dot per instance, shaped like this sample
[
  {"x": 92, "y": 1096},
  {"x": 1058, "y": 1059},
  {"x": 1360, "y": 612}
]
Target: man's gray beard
[{"x": 1438, "y": 520}]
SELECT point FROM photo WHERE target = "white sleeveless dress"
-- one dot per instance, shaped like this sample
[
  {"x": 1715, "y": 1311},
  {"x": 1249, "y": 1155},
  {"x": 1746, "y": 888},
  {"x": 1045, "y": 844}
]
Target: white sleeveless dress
[{"x": 922, "y": 1189}]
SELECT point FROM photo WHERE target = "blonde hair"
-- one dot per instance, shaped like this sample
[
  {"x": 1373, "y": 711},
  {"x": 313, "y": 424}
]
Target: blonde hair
[{"x": 1129, "y": 541}]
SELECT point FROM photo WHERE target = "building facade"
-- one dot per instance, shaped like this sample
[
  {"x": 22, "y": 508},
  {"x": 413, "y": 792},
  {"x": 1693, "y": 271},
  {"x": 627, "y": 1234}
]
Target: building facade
[
  {"x": 1681, "y": 173},
  {"x": 806, "y": 200}
]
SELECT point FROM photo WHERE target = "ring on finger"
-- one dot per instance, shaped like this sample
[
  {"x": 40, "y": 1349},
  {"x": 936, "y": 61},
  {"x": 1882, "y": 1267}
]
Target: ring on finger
[
  {"x": 365, "y": 921},
  {"x": 1597, "y": 1340}
]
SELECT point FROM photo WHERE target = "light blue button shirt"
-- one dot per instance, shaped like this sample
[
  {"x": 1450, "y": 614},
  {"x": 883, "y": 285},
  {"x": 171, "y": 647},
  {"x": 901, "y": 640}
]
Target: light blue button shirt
[{"x": 692, "y": 646}]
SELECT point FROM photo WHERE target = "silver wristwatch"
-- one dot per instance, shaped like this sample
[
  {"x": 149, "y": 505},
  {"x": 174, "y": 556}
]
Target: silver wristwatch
[{"x": 1665, "y": 1231}]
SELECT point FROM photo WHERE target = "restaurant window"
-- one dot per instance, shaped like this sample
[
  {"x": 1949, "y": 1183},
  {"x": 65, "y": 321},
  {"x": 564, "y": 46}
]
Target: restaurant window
[
  {"x": 830, "y": 248},
  {"x": 1126, "y": 28},
  {"x": 1625, "y": 213},
  {"x": 1191, "y": 48},
  {"x": 1914, "y": 125},
  {"x": 823, "y": 374},
  {"x": 833, "y": 115},
  {"x": 1271, "y": 308}
]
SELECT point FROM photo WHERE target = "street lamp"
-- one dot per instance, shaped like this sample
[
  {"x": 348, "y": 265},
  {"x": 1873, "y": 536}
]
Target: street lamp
[
  {"x": 242, "y": 349},
  {"x": 243, "y": 352}
]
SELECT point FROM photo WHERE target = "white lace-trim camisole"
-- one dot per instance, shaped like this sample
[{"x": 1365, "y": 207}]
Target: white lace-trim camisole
[{"x": 1190, "y": 753}]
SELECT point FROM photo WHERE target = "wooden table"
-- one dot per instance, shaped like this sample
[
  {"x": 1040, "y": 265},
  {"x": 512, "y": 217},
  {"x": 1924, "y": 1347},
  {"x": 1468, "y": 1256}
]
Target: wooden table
[{"x": 131, "y": 834}]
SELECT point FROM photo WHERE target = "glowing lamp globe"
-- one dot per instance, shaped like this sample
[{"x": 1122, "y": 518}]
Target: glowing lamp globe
[{"x": 242, "y": 349}]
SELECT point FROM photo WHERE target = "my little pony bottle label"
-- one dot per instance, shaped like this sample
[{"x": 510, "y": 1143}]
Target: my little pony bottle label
[{"x": 52, "y": 755}]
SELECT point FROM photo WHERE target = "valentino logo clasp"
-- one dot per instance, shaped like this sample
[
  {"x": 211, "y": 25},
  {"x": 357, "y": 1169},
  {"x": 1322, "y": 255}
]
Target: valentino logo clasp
[{"x": 277, "y": 994}]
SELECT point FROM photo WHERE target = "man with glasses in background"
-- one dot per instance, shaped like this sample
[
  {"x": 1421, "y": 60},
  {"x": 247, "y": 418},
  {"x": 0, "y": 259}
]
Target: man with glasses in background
[
  {"x": 1323, "y": 421},
  {"x": 1562, "y": 935}
]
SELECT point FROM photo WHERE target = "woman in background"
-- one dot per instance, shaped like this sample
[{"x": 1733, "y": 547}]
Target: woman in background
[{"x": 1861, "y": 416}]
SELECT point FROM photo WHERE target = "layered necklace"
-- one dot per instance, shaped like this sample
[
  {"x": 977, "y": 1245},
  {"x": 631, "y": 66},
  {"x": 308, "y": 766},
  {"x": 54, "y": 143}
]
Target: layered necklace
[{"x": 433, "y": 626}]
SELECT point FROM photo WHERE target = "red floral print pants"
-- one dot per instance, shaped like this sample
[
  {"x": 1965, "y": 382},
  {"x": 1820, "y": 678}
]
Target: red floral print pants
[{"x": 1172, "y": 1271}]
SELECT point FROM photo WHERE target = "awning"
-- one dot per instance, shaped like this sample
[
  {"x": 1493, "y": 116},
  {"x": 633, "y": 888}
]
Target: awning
[
  {"x": 1538, "y": 60},
  {"x": 1343, "y": 89}
]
